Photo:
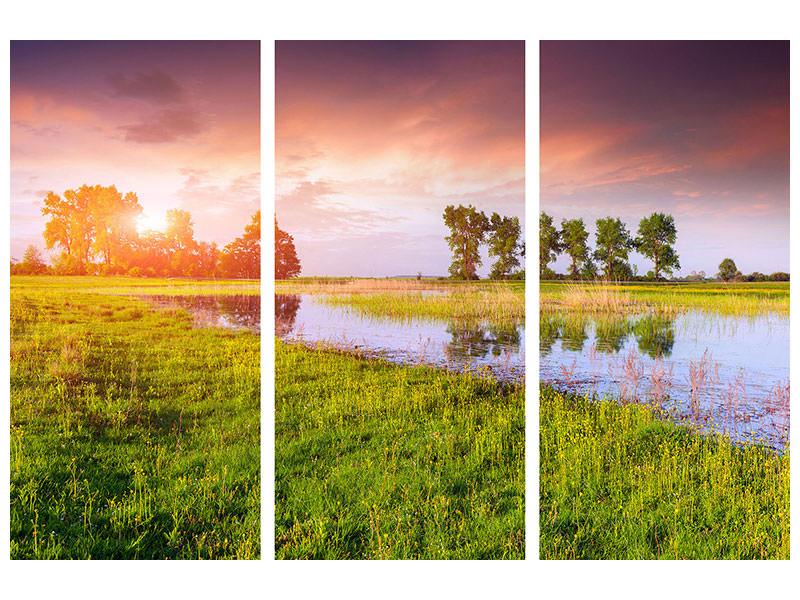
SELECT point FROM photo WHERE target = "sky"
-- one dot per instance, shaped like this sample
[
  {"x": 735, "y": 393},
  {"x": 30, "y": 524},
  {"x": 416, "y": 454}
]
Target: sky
[
  {"x": 375, "y": 139},
  {"x": 698, "y": 130},
  {"x": 178, "y": 123}
]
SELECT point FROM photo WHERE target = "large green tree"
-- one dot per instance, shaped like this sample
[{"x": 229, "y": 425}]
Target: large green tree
[
  {"x": 286, "y": 262},
  {"x": 549, "y": 242},
  {"x": 657, "y": 233},
  {"x": 613, "y": 245},
  {"x": 504, "y": 244},
  {"x": 573, "y": 239},
  {"x": 468, "y": 229}
]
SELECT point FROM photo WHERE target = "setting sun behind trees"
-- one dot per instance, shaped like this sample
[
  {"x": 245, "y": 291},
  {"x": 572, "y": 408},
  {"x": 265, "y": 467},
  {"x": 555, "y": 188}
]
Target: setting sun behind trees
[{"x": 101, "y": 231}]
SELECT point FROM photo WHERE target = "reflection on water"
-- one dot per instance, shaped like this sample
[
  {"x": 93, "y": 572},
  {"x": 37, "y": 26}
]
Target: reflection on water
[
  {"x": 231, "y": 311},
  {"x": 722, "y": 373},
  {"x": 453, "y": 344},
  {"x": 286, "y": 306}
]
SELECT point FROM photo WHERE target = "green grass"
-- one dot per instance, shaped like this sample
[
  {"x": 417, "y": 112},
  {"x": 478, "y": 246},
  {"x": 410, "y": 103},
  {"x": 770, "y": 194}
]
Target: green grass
[
  {"x": 747, "y": 299},
  {"x": 498, "y": 302},
  {"x": 133, "y": 434},
  {"x": 133, "y": 285},
  {"x": 374, "y": 460},
  {"x": 618, "y": 482}
]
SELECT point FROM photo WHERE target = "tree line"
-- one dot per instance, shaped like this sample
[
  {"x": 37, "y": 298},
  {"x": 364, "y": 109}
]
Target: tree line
[
  {"x": 614, "y": 243},
  {"x": 94, "y": 227},
  {"x": 469, "y": 229}
]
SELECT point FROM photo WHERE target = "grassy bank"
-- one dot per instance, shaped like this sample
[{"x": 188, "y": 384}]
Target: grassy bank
[
  {"x": 746, "y": 299},
  {"x": 499, "y": 302},
  {"x": 374, "y": 460},
  {"x": 616, "y": 482},
  {"x": 133, "y": 434}
]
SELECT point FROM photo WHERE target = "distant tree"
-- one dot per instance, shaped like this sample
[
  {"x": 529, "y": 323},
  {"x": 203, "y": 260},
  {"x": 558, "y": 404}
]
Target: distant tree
[
  {"x": 504, "y": 243},
  {"x": 654, "y": 240},
  {"x": 468, "y": 228},
  {"x": 613, "y": 244},
  {"x": 573, "y": 239},
  {"x": 32, "y": 263},
  {"x": 549, "y": 244},
  {"x": 779, "y": 276},
  {"x": 242, "y": 257},
  {"x": 727, "y": 269},
  {"x": 286, "y": 262}
]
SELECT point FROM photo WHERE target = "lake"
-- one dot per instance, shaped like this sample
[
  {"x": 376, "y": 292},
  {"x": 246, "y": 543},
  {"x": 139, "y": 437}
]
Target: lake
[
  {"x": 720, "y": 373},
  {"x": 499, "y": 349}
]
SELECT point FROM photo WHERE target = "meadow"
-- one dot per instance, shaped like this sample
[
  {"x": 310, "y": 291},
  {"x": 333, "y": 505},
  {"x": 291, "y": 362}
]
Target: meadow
[
  {"x": 134, "y": 433},
  {"x": 620, "y": 482},
  {"x": 380, "y": 461},
  {"x": 640, "y": 462}
]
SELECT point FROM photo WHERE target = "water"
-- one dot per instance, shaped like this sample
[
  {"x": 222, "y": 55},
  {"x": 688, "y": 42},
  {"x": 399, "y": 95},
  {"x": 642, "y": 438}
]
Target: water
[
  {"x": 720, "y": 373},
  {"x": 230, "y": 311},
  {"x": 500, "y": 349}
]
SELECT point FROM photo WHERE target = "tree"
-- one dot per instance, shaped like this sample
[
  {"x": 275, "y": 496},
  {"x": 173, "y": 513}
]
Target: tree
[
  {"x": 32, "y": 263},
  {"x": 549, "y": 243},
  {"x": 573, "y": 239},
  {"x": 613, "y": 244},
  {"x": 91, "y": 221},
  {"x": 286, "y": 262},
  {"x": 242, "y": 257},
  {"x": 114, "y": 218},
  {"x": 654, "y": 240},
  {"x": 504, "y": 243},
  {"x": 70, "y": 228},
  {"x": 727, "y": 269},
  {"x": 468, "y": 228}
]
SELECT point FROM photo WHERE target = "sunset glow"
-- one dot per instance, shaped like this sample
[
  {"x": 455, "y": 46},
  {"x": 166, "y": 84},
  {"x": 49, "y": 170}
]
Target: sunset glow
[
  {"x": 374, "y": 139},
  {"x": 176, "y": 123},
  {"x": 699, "y": 130}
]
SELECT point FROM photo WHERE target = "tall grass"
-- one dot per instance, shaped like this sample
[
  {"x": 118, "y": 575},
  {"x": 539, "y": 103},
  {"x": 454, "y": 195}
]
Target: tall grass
[
  {"x": 747, "y": 299},
  {"x": 618, "y": 482}
]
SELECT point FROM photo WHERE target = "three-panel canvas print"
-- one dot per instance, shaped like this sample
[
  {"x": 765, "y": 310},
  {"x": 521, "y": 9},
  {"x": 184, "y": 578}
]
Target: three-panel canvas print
[{"x": 658, "y": 391}]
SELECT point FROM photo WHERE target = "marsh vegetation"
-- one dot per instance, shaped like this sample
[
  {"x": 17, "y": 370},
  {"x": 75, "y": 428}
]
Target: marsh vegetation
[{"x": 669, "y": 397}]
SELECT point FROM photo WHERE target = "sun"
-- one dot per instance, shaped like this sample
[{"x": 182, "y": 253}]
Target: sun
[{"x": 151, "y": 221}]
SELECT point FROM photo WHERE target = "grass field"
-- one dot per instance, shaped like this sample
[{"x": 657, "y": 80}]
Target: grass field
[
  {"x": 722, "y": 298},
  {"x": 374, "y": 460},
  {"x": 133, "y": 434},
  {"x": 618, "y": 482}
]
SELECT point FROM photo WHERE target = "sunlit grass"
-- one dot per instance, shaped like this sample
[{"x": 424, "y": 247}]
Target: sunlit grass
[
  {"x": 133, "y": 433},
  {"x": 134, "y": 285},
  {"x": 746, "y": 299},
  {"x": 374, "y": 460},
  {"x": 497, "y": 302},
  {"x": 618, "y": 482}
]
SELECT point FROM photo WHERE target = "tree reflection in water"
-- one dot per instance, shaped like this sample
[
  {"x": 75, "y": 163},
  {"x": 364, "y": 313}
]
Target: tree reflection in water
[
  {"x": 235, "y": 311},
  {"x": 286, "y": 307},
  {"x": 476, "y": 341},
  {"x": 654, "y": 335}
]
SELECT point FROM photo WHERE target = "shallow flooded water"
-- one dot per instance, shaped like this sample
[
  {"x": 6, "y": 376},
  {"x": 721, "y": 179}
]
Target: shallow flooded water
[
  {"x": 721, "y": 373},
  {"x": 230, "y": 311},
  {"x": 304, "y": 318}
]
